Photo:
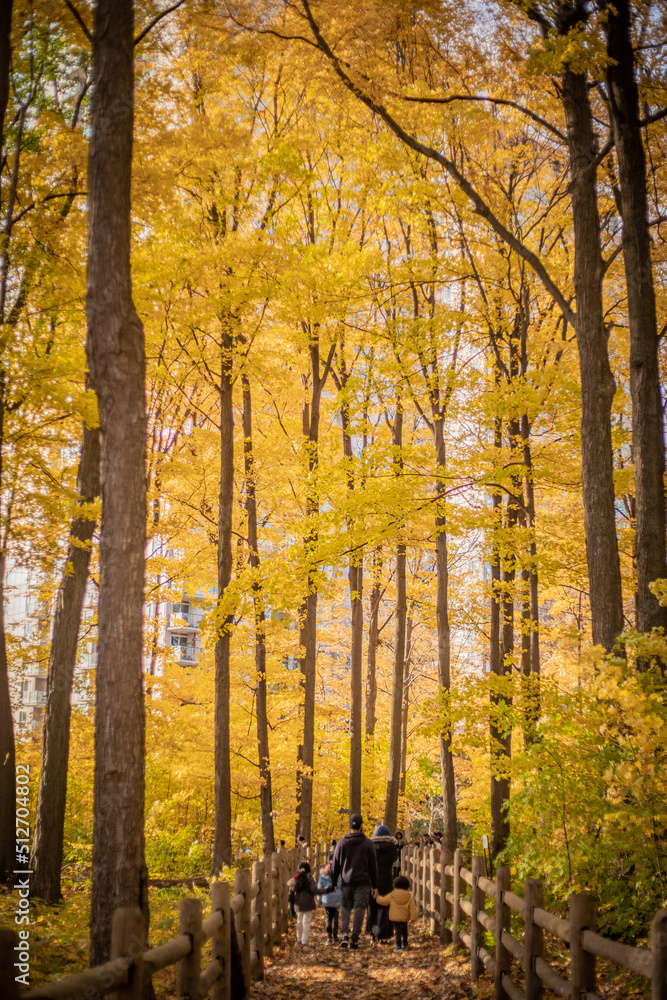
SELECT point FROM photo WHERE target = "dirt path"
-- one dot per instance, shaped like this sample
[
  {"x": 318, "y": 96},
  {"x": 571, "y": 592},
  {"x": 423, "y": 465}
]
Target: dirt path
[{"x": 325, "y": 972}]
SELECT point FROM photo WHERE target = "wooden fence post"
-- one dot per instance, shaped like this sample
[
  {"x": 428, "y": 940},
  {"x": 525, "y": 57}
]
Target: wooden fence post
[
  {"x": 257, "y": 939},
  {"x": 127, "y": 938},
  {"x": 446, "y": 861},
  {"x": 433, "y": 888},
  {"x": 477, "y": 901},
  {"x": 416, "y": 867},
  {"x": 532, "y": 940},
  {"x": 275, "y": 899},
  {"x": 503, "y": 958},
  {"x": 9, "y": 939},
  {"x": 583, "y": 916},
  {"x": 242, "y": 919},
  {"x": 659, "y": 956},
  {"x": 456, "y": 905},
  {"x": 189, "y": 968},
  {"x": 222, "y": 942},
  {"x": 283, "y": 906},
  {"x": 267, "y": 905}
]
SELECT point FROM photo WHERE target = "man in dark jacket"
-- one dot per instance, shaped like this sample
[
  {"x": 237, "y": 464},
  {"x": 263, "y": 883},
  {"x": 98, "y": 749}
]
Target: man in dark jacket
[{"x": 355, "y": 866}]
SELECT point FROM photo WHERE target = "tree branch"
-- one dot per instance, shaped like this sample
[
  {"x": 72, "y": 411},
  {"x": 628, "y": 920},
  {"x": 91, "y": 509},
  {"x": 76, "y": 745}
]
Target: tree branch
[
  {"x": 479, "y": 205},
  {"x": 492, "y": 100},
  {"x": 151, "y": 25},
  {"x": 79, "y": 20}
]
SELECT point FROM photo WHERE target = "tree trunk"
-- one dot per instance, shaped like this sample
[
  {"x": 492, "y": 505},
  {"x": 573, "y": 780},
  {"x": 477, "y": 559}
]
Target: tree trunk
[
  {"x": 222, "y": 843},
  {"x": 47, "y": 850},
  {"x": 7, "y": 746},
  {"x": 647, "y": 418},
  {"x": 7, "y": 749},
  {"x": 531, "y": 624},
  {"x": 373, "y": 638},
  {"x": 308, "y": 613},
  {"x": 116, "y": 360},
  {"x": 265, "y": 796},
  {"x": 5, "y": 61},
  {"x": 449, "y": 818},
  {"x": 406, "y": 703},
  {"x": 597, "y": 382},
  {"x": 394, "y": 775},
  {"x": 499, "y": 783},
  {"x": 355, "y": 576}
]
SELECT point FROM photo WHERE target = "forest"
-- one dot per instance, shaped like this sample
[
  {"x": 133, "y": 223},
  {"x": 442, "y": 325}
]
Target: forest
[{"x": 345, "y": 326}]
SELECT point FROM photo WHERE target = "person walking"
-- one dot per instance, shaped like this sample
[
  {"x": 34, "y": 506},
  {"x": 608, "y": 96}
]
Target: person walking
[
  {"x": 355, "y": 865},
  {"x": 330, "y": 899},
  {"x": 400, "y": 844},
  {"x": 302, "y": 892},
  {"x": 386, "y": 853},
  {"x": 402, "y": 909}
]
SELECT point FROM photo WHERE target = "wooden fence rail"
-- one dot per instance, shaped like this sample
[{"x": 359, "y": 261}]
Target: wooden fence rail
[
  {"x": 439, "y": 884},
  {"x": 258, "y": 906}
]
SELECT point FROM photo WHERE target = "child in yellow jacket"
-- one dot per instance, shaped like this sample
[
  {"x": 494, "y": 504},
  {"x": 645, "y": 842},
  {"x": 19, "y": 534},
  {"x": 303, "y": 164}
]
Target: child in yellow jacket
[{"x": 402, "y": 909}]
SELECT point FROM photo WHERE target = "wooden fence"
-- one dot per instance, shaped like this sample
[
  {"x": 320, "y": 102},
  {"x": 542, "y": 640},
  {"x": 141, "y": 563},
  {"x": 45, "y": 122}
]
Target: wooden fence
[
  {"x": 454, "y": 899},
  {"x": 259, "y": 907}
]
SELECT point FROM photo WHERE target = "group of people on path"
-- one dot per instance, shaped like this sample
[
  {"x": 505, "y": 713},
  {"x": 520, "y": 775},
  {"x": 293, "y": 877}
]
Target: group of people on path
[{"x": 362, "y": 880}]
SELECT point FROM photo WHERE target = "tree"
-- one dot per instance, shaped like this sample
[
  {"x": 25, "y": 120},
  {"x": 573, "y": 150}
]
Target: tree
[
  {"x": 647, "y": 418},
  {"x": 116, "y": 358}
]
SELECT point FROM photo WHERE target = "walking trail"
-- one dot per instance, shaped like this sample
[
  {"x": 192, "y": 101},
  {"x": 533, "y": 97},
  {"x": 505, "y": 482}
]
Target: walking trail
[{"x": 327, "y": 972}]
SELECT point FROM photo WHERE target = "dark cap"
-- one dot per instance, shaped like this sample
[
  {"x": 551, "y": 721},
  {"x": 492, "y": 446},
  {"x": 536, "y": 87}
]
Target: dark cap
[{"x": 356, "y": 821}]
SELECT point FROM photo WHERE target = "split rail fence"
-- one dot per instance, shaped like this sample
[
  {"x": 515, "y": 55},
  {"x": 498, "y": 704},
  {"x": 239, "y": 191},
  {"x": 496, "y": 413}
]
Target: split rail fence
[
  {"x": 259, "y": 907},
  {"x": 454, "y": 899},
  {"x": 450, "y": 896}
]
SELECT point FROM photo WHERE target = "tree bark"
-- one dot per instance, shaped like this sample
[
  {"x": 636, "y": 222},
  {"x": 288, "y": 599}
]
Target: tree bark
[
  {"x": 5, "y": 61},
  {"x": 647, "y": 418},
  {"x": 47, "y": 850},
  {"x": 7, "y": 745},
  {"x": 308, "y": 613},
  {"x": 409, "y": 625},
  {"x": 222, "y": 842},
  {"x": 394, "y": 775},
  {"x": 265, "y": 796},
  {"x": 373, "y": 641},
  {"x": 116, "y": 360},
  {"x": 355, "y": 576},
  {"x": 499, "y": 783},
  {"x": 597, "y": 381},
  {"x": 449, "y": 818}
]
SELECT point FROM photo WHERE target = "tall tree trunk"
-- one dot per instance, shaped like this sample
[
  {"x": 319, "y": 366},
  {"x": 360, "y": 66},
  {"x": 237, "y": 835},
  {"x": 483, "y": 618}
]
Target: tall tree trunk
[
  {"x": 449, "y": 818},
  {"x": 499, "y": 783},
  {"x": 409, "y": 625},
  {"x": 7, "y": 746},
  {"x": 265, "y": 796},
  {"x": 531, "y": 620},
  {"x": 355, "y": 576},
  {"x": 47, "y": 850},
  {"x": 647, "y": 419},
  {"x": 373, "y": 639},
  {"x": 597, "y": 381},
  {"x": 222, "y": 843},
  {"x": 308, "y": 613},
  {"x": 116, "y": 360},
  {"x": 394, "y": 775},
  {"x": 5, "y": 61}
]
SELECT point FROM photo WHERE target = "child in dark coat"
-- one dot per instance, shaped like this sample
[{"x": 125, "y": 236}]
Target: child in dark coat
[{"x": 302, "y": 892}]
